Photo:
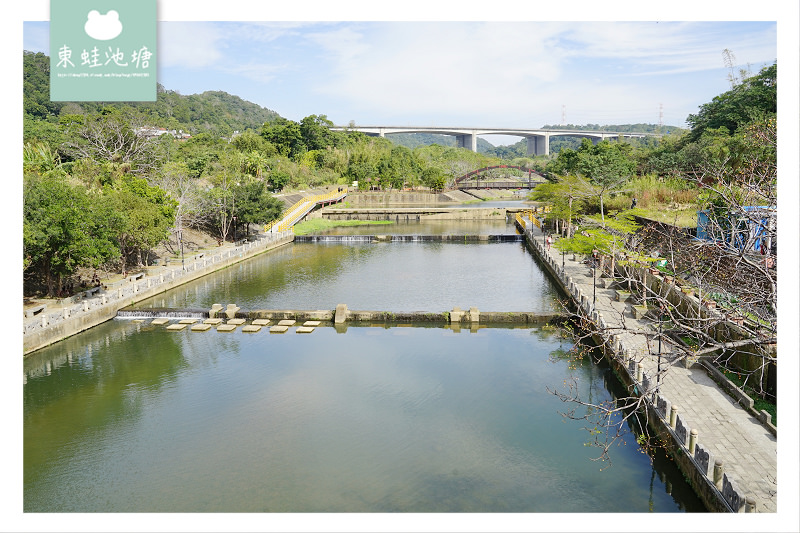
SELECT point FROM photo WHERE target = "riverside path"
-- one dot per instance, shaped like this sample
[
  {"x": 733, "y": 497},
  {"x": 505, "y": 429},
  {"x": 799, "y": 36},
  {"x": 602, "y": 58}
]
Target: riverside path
[{"x": 726, "y": 432}]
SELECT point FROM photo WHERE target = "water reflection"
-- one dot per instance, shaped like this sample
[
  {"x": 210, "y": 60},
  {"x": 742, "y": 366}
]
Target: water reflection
[
  {"x": 432, "y": 277},
  {"x": 399, "y": 419}
]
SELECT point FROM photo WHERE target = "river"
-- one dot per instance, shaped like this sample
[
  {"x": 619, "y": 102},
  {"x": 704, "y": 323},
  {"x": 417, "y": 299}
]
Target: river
[{"x": 129, "y": 417}]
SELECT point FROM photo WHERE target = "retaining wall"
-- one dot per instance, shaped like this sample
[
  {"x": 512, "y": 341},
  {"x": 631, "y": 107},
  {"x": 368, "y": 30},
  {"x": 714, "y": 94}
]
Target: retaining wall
[
  {"x": 718, "y": 491},
  {"x": 53, "y": 324}
]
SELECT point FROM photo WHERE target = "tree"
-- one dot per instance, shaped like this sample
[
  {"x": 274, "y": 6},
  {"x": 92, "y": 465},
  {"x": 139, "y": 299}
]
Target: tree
[
  {"x": 567, "y": 197},
  {"x": 715, "y": 297},
  {"x": 316, "y": 132},
  {"x": 64, "y": 228},
  {"x": 607, "y": 165},
  {"x": 254, "y": 205},
  {"x": 286, "y": 136},
  {"x": 109, "y": 137},
  {"x": 248, "y": 142},
  {"x": 753, "y": 98},
  {"x": 253, "y": 163},
  {"x": 144, "y": 216}
]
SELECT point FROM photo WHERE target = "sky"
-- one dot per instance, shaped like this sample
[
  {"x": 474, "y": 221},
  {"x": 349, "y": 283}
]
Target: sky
[
  {"x": 446, "y": 64},
  {"x": 466, "y": 74}
]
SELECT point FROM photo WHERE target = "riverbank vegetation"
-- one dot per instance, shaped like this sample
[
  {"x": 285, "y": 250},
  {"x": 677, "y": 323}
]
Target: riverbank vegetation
[
  {"x": 317, "y": 225},
  {"x": 710, "y": 280},
  {"x": 142, "y": 173}
]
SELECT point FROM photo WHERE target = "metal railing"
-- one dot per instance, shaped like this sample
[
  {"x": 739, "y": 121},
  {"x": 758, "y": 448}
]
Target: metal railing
[{"x": 301, "y": 208}]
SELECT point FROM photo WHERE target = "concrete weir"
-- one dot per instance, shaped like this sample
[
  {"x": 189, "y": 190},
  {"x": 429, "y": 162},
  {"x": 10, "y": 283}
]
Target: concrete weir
[
  {"x": 355, "y": 239},
  {"x": 342, "y": 315}
]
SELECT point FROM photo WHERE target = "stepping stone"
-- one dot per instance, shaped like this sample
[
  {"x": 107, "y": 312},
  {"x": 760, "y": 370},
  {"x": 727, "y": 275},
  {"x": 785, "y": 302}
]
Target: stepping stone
[
  {"x": 212, "y": 321},
  {"x": 304, "y": 329},
  {"x": 311, "y": 323},
  {"x": 236, "y": 321},
  {"x": 287, "y": 322},
  {"x": 201, "y": 327},
  {"x": 159, "y": 321},
  {"x": 176, "y": 327},
  {"x": 136, "y": 320},
  {"x": 251, "y": 329},
  {"x": 188, "y": 320},
  {"x": 278, "y": 329},
  {"x": 226, "y": 327},
  {"x": 261, "y": 322}
]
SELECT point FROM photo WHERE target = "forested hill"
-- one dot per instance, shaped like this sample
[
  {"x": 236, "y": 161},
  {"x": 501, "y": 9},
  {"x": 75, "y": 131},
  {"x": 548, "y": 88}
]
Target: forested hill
[{"x": 214, "y": 112}]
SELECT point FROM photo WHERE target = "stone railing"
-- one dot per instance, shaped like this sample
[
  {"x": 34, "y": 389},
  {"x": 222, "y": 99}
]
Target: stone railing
[
  {"x": 44, "y": 326},
  {"x": 708, "y": 471}
]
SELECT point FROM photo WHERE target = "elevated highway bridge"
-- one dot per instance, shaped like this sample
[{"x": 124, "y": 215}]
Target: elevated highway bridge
[{"x": 538, "y": 139}]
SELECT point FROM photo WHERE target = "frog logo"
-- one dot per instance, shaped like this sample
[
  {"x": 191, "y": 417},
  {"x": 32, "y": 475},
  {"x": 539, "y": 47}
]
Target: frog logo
[{"x": 103, "y": 27}]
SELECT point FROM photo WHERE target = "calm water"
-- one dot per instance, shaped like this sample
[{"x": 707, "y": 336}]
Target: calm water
[
  {"x": 433, "y": 277},
  {"x": 129, "y": 417},
  {"x": 430, "y": 227}
]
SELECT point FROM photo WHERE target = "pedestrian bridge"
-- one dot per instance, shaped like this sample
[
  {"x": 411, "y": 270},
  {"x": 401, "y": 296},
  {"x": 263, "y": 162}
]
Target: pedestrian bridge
[{"x": 538, "y": 139}]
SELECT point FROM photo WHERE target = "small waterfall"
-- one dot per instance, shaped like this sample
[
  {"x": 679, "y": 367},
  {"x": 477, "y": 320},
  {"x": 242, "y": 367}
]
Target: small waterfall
[
  {"x": 413, "y": 238},
  {"x": 162, "y": 313},
  {"x": 355, "y": 239},
  {"x": 350, "y": 239}
]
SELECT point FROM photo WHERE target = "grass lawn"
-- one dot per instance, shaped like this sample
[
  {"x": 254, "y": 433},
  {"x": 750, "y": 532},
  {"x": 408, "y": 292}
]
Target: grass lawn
[
  {"x": 684, "y": 218},
  {"x": 320, "y": 224}
]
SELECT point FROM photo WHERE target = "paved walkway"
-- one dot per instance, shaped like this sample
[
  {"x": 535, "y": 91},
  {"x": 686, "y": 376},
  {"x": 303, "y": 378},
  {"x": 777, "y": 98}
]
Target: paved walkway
[{"x": 726, "y": 430}]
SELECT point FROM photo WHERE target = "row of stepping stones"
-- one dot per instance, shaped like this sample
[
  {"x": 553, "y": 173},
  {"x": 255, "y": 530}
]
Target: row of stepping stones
[{"x": 281, "y": 327}]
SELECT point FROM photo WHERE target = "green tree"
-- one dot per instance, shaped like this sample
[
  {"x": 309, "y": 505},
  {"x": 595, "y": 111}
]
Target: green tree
[
  {"x": 64, "y": 228},
  {"x": 145, "y": 215},
  {"x": 755, "y": 97},
  {"x": 608, "y": 166},
  {"x": 286, "y": 136},
  {"x": 316, "y": 132},
  {"x": 253, "y": 205}
]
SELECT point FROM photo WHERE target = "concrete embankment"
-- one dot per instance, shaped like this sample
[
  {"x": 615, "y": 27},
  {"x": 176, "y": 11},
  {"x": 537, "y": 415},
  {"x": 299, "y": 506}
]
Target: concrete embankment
[
  {"x": 413, "y": 214},
  {"x": 406, "y": 238},
  {"x": 728, "y": 453},
  {"x": 49, "y": 325},
  {"x": 362, "y": 199}
]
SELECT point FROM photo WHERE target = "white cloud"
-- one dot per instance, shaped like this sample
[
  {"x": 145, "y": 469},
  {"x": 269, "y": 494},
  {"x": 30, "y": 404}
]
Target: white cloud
[{"x": 190, "y": 45}]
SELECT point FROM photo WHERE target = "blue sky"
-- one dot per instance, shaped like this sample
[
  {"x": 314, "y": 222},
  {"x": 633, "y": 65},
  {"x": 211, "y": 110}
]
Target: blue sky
[
  {"x": 469, "y": 73},
  {"x": 605, "y": 62}
]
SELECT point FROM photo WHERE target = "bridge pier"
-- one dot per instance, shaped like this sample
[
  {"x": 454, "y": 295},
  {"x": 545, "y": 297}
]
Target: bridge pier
[
  {"x": 467, "y": 141},
  {"x": 539, "y": 144}
]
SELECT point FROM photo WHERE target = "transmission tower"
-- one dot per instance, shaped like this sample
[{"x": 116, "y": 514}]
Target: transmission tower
[
  {"x": 660, "y": 115},
  {"x": 563, "y": 115},
  {"x": 730, "y": 60}
]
